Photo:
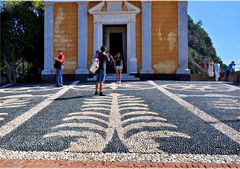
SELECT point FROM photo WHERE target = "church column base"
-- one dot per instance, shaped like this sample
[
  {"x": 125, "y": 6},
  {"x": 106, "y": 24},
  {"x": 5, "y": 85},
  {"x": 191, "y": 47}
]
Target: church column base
[
  {"x": 146, "y": 71},
  {"x": 133, "y": 66},
  {"x": 183, "y": 71}
]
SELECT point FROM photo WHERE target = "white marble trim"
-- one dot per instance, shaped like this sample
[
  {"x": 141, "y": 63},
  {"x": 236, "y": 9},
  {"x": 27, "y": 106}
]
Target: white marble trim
[
  {"x": 82, "y": 38},
  {"x": 146, "y": 37},
  {"x": 116, "y": 18},
  {"x": 48, "y": 38},
  {"x": 182, "y": 38}
]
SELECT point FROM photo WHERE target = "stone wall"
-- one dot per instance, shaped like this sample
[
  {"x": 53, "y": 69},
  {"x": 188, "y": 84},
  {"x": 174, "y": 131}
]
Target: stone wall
[{"x": 233, "y": 77}]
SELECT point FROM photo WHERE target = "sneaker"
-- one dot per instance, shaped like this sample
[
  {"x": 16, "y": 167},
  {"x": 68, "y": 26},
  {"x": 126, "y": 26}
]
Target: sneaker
[
  {"x": 96, "y": 93},
  {"x": 101, "y": 94},
  {"x": 120, "y": 82}
]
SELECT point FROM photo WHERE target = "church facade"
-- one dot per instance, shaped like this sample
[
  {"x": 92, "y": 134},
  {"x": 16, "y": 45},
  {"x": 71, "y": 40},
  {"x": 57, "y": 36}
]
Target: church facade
[{"x": 152, "y": 36}]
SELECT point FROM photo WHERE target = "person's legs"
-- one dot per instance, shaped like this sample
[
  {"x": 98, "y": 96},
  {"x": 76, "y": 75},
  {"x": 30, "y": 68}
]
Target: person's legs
[
  {"x": 120, "y": 76},
  {"x": 100, "y": 87},
  {"x": 96, "y": 89},
  {"x": 60, "y": 76},
  {"x": 227, "y": 74},
  {"x": 101, "y": 78},
  {"x": 97, "y": 82},
  {"x": 217, "y": 76},
  {"x": 57, "y": 77},
  {"x": 117, "y": 79}
]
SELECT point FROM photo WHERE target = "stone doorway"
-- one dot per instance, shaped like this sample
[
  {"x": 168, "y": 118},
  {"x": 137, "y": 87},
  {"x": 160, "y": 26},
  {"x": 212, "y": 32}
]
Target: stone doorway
[{"x": 114, "y": 38}]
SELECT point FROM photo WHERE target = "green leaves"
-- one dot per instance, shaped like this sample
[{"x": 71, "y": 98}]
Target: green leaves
[
  {"x": 200, "y": 46},
  {"x": 22, "y": 33}
]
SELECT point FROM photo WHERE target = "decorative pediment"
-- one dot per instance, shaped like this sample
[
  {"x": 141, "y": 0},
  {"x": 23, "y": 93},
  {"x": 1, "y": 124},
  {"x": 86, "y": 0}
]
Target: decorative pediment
[{"x": 114, "y": 7}]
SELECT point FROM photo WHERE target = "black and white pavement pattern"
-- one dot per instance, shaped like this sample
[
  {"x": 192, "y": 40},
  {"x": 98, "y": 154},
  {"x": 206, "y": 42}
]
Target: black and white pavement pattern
[{"x": 163, "y": 121}]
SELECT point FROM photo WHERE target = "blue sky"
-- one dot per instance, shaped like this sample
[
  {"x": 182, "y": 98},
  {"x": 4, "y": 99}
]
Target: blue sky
[{"x": 221, "y": 20}]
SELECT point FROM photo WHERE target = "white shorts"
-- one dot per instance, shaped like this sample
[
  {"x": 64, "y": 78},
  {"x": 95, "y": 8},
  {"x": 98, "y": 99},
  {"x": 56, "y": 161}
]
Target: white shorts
[{"x": 119, "y": 67}]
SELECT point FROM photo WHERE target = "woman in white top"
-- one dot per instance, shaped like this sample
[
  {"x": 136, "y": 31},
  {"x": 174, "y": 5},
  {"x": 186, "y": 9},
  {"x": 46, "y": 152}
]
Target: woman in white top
[
  {"x": 210, "y": 68},
  {"x": 217, "y": 70}
]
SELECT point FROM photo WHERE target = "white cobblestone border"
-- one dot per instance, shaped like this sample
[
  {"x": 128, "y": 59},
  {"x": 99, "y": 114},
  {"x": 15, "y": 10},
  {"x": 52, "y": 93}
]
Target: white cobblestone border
[
  {"x": 223, "y": 128},
  {"x": 15, "y": 123},
  {"x": 121, "y": 157}
]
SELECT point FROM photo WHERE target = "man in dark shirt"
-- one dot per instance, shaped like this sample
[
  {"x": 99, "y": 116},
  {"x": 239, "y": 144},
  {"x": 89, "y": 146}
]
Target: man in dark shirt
[{"x": 101, "y": 72}]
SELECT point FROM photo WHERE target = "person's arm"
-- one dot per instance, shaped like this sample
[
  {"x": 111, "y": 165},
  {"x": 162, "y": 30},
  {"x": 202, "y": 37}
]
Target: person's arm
[
  {"x": 108, "y": 58},
  {"x": 61, "y": 60},
  {"x": 56, "y": 58}
]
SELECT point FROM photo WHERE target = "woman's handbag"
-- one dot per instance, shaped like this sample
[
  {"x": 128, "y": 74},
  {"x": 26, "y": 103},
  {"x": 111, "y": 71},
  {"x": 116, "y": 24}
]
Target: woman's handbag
[{"x": 95, "y": 65}]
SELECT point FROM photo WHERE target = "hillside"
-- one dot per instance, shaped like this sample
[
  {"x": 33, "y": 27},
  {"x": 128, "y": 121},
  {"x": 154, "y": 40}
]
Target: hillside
[{"x": 200, "y": 48}]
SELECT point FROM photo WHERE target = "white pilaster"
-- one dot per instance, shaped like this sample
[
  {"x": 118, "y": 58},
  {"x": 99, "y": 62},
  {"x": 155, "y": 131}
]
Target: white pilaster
[
  {"x": 146, "y": 37},
  {"x": 182, "y": 38},
  {"x": 82, "y": 37},
  {"x": 48, "y": 38},
  {"x": 133, "y": 59},
  {"x": 97, "y": 37}
]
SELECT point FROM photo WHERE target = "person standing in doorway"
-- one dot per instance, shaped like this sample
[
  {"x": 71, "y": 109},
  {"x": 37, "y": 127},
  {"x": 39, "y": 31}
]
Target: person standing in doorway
[
  {"x": 59, "y": 62},
  {"x": 217, "y": 70},
  {"x": 229, "y": 70},
  {"x": 101, "y": 72},
  {"x": 118, "y": 67}
]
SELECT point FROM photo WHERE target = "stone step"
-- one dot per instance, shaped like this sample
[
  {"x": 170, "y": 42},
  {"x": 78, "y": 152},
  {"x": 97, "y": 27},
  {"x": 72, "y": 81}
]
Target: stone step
[{"x": 112, "y": 77}]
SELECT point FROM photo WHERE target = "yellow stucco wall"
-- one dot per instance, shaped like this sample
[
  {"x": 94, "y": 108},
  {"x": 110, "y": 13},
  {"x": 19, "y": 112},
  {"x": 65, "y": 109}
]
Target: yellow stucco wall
[
  {"x": 165, "y": 36},
  {"x": 66, "y": 34}
]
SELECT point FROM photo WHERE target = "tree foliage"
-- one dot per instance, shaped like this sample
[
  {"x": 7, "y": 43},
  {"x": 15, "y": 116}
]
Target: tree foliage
[
  {"x": 21, "y": 38},
  {"x": 200, "y": 47}
]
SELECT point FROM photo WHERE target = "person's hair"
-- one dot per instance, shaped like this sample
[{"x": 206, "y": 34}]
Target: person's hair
[
  {"x": 97, "y": 51},
  {"x": 102, "y": 49},
  {"x": 120, "y": 56},
  {"x": 233, "y": 62}
]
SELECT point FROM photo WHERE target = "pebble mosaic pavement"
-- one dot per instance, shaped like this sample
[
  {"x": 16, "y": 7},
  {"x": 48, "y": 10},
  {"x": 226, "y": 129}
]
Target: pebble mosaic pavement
[{"x": 162, "y": 122}]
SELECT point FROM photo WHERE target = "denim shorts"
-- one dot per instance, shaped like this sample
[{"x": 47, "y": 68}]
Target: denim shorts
[
  {"x": 119, "y": 67},
  {"x": 101, "y": 76}
]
